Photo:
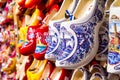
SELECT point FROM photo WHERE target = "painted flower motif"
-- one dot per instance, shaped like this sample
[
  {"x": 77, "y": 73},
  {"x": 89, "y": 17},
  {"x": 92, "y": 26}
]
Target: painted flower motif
[
  {"x": 85, "y": 39},
  {"x": 113, "y": 58},
  {"x": 31, "y": 36},
  {"x": 52, "y": 39}
]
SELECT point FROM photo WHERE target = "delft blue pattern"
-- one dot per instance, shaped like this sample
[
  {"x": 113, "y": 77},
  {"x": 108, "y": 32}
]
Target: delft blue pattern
[
  {"x": 52, "y": 39},
  {"x": 113, "y": 57},
  {"x": 84, "y": 33},
  {"x": 39, "y": 49},
  {"x": 66, "y": 45}
]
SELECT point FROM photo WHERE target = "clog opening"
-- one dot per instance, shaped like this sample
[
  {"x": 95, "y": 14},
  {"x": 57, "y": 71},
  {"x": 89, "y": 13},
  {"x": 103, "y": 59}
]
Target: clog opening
[
  {"x": 78, "y": 75},
  {"x": 84, "y": 8},
  {"x": 96, "y": 78},
  {"x": 94, "y": 70},
  {"x": 61, "y": 13},
  {"x": 34, "y": 65},
  {"x": 117, "y": 3}
]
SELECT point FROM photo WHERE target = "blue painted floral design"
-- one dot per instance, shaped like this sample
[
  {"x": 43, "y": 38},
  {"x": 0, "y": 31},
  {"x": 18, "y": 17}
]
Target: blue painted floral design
[
  {"x": 52, "y": 39},
  {"x": 85, "y": 38},
  {"x": 67, "y": 43},
  {"x": 113, "y": 58}
]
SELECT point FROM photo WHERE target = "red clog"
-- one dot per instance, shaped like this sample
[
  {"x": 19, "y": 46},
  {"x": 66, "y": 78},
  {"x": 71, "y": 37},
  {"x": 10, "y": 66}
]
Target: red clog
[
  {"x": 42, "y": 33},
  {"x": 29, "y": 46},
  {"x": 41, "y": 47}
]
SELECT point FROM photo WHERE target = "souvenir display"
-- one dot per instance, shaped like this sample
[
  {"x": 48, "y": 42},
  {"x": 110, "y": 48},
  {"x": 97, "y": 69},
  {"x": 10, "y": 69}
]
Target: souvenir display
[{"x": 59, "y": 39}]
